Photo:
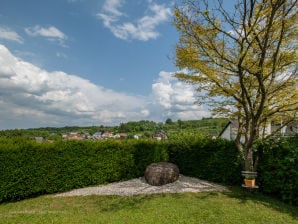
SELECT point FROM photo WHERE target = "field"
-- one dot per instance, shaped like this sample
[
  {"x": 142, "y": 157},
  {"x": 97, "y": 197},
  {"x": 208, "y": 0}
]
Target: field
[{"x": 235, "y": 206}]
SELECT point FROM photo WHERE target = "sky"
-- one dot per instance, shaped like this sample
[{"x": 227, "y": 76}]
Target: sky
[{"x": 90, "y": 62}]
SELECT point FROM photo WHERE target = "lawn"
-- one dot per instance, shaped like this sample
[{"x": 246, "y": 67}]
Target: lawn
[{"x": 235, "y": 206}]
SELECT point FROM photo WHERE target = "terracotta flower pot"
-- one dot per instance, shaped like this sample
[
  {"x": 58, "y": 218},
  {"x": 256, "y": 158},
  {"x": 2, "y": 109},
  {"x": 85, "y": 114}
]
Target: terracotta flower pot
[{"x": 250, "y": 182}]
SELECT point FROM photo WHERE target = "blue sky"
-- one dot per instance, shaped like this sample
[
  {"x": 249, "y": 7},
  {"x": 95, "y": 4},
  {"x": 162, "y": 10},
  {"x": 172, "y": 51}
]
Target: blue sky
[{"x": 89, "y": 62}]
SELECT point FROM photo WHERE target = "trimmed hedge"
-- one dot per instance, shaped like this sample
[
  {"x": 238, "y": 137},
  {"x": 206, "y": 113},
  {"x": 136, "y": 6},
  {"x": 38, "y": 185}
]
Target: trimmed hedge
[
  {"x": 29, "y": 169},
  {"x": 145, "y": 153},
  {"x": 213, "y": 160},
  {"x": 278, "y": 169}
]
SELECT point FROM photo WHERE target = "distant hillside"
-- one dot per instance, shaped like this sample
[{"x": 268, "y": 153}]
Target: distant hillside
[{"x": 145, "y": 128}]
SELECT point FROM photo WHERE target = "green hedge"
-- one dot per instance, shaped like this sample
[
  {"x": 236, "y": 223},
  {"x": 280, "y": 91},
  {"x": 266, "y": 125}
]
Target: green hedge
[
  {"x": 29, "y": 169},
  {"x": 278, "y": 169},
  {"x": 214, "y": 160},
  {"x": 147, "y": 152}
]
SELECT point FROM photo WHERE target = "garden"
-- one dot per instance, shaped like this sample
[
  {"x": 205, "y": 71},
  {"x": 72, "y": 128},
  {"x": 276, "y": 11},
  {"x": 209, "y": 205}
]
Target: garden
[{"x": 31, "y": 171}]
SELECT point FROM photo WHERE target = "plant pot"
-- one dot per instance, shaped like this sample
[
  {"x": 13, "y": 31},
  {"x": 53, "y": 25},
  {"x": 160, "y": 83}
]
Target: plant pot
[{"x": 250, "y": 182}]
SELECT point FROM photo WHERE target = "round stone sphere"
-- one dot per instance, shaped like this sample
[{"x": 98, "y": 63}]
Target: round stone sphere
[{"x": 161, "y": 173}]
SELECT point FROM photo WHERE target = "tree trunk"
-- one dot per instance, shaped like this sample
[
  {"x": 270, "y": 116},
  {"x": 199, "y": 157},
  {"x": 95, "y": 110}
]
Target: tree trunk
[{"x": 248, "y": 163}]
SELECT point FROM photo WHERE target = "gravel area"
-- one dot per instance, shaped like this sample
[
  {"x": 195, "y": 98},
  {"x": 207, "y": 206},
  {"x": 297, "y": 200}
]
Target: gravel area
[{"x": 139, "y": 186}]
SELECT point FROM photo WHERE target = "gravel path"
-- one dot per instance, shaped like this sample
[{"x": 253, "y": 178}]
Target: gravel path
[{"x": 139, "y": 186}]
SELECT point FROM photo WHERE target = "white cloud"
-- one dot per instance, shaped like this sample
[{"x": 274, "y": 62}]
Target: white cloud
[
  {"x": 8, "y": 34},
  {"x": 51, "y": 33},
  {"x": 33, "y": 97},
  {"x": 112, "y": 7},
  {"x": 143, "y": 29},
  {"x": 61, "y": 55},
  {"x": 176, "y": 98}
]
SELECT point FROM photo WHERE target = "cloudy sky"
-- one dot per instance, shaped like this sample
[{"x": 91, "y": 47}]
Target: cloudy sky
[{"x": 89, "y": 62}]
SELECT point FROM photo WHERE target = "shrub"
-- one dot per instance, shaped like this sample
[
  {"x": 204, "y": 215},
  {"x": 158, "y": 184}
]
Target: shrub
[
  {"x": 28, "y": 169},
  {"x": 147, "y": 152},
  {"x": 278, "y": 169},
  {"x": 214, "y": 160}
]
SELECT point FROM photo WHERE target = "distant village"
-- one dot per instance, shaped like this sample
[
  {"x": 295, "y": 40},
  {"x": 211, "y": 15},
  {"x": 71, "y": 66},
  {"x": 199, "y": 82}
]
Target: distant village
[
  {"x": 214, "y": 128},
  {"x": 108, "y": 135},
  {"x": 104, "y": 135},
  {"x": 95, "y": 136}
]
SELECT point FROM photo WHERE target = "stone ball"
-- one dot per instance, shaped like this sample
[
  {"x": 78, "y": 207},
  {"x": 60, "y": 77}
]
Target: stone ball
[{"x": 161, "y": 173}]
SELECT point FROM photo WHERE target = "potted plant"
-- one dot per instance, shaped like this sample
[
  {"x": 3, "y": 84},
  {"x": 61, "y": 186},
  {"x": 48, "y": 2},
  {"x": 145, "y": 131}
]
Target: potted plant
[
  {"x": 249, "y": 178},
  {"x": 250, "y": 181}
]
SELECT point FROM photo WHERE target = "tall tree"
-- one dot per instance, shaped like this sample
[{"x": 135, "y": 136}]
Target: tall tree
[{"x": 243, "y": 62}]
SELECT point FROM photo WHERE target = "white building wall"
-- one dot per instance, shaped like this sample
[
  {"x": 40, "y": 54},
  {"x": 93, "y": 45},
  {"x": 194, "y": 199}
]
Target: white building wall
[{"x": 227, "y": 133}]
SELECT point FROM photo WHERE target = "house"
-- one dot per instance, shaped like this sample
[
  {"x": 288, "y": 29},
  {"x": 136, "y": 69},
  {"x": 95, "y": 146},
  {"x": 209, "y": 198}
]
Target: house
[
  {"x": 73, "y": 136},
  {"x": 107, "y": 134},
  {"x": 229, "y": 132},
  {"x": 120, "y": 135},
  {"x": 97, "y": 135},
  {"x": 292, "y": 128},
  {"x": 160, "y": 136},
  {"x": 123, "y": 135},
  {"x": 288, "y": 130},
  {"x": 86, "y": 135}
]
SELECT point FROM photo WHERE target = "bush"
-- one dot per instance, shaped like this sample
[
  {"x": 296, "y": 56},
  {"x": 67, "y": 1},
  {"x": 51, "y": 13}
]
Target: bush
[
  {"x": 147, "y": 152},
  {"x": 29, "y": 169},
  {"x": 214, "y": 160},
  {"x": 278, "y": 169}
]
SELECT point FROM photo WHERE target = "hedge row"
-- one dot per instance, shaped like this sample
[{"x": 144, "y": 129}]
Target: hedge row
[
  {"x": 278, "y": 169},
  {"x": 213, "y": 160},
  {"x": 29, "y": 169}
]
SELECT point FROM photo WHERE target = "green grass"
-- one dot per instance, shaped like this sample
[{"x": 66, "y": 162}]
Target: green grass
[{"x": 207, "y": 207}]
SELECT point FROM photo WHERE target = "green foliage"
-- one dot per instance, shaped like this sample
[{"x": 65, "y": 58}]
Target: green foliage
[
  {"x": 214, "y": 160},
  {"x": 206, "y": 126},
  {"x": 240, "y": 73},
  {"x": 28, "y": 168},
  {"x": 140, "y": 126},
  {"x": 278, "y": 169},
  {"x": 169, "y": 121},
  {"x": 146, "y": 152}
]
